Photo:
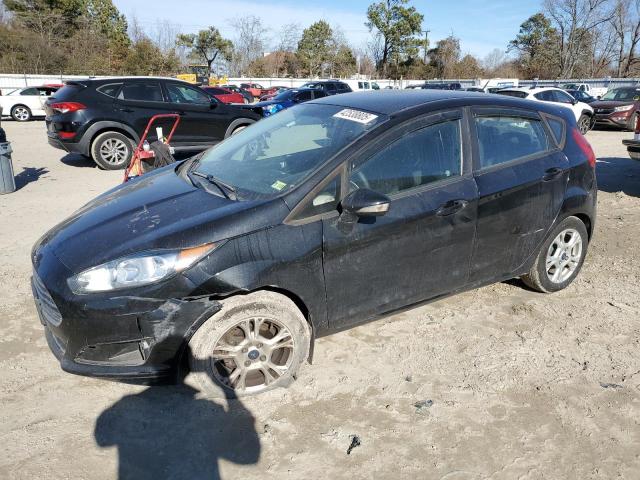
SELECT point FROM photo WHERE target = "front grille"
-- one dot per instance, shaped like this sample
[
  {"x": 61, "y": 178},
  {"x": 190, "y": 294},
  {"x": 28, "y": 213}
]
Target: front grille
[
  {"x": 604, "y": 111},
  {"x": 47, "y": 306}
]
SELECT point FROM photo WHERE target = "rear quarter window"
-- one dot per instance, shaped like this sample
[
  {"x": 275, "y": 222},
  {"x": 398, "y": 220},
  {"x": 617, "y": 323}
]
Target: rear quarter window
[
  {"x": 110, "y": 90},
  {"x": 558, "y": 129}
]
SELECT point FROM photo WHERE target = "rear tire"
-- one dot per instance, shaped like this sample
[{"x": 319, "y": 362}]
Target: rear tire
[
  {"x": 231, "y": 353},
  {"x": 112, "y": 150},
  {"x": 21, "y": 113},
  {"x": 560, "y": 258}
]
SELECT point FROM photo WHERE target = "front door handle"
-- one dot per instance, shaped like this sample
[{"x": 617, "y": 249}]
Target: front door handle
[
  {"x": 451, "y": 207},
  {"x": 126, "y": 110},
  {"x": 552, "y": 173}
]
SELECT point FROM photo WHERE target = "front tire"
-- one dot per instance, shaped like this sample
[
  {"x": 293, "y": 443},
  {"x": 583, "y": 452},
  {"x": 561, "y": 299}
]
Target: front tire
[
  {"x": 561, "y": 257},
  {"x": 256, "y": 343},
  {"x": 631, "y": 124},
  {"x": 112, "y": 150},
  {"x": 21, "y": 113},
  {"x": 584, "y": 124}
]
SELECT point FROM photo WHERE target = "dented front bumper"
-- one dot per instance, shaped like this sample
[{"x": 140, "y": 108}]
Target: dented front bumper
[{"x": 134, "y": 337}]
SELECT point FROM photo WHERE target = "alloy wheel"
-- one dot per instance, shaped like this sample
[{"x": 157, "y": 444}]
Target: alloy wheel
[
  {"x": 21, "y": 114},
  {"x": 252, "y": 355},
  {"x": 114, "y": 151},
  {"x": 564, "y": 255}
]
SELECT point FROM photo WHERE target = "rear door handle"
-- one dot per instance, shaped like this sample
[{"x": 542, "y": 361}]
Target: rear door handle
[
  {"x": 126, "y": 110},
  {"x": 552, "y": 173},
  {"x": 451, "y": 207}
]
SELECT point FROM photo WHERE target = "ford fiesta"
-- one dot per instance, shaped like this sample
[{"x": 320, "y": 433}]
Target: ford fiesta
[{"x": 327, "y": 215}]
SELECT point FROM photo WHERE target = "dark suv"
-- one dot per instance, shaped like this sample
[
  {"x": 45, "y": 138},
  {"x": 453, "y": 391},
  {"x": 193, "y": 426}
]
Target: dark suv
[
  {"x": 332, "y": 213},
  {"x": 330, "y": 87},
  {"x": 104, "y": 119}
]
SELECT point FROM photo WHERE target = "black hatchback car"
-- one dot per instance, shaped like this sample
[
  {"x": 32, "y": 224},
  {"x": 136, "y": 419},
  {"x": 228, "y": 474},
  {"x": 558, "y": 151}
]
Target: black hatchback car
[
  {"x": 104, "y": 119},
  {"x": 329, "y": 214}
]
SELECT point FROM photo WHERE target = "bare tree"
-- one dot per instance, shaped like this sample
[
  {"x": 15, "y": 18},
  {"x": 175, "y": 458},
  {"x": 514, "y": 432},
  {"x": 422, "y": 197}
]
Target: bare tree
[
  {"x": 575, "y": 21},
  {"x": 249, "y": 43}
]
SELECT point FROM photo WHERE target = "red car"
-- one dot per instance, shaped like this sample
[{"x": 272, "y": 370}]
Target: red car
[{"x": 224, "y": 95}]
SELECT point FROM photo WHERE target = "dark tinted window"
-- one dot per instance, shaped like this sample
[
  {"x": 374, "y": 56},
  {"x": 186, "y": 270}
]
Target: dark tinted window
[
  {"x": 561, "y": 97},
  {"x": 342, "y": 87},
  {"x": 502, "y": 139},
  {"x": 319, "y": 94},
  {"x": 141, "y": 91},
  {"x": 303, "y": 96},
  {"x": 427, "y": 155},
  {"x": 67, "y": 92},
  {"x": 30, "y": 91},
  {"x": 330, "y": 87},
  {"x": 184, "y": 94},
  {"x": 546, "y": 96},
  {"x": 512, "y": 93},
  {"x": 557, "y": 127},
  {"x": 215, "y": 91},
  {"x": 110, "y": 90}
]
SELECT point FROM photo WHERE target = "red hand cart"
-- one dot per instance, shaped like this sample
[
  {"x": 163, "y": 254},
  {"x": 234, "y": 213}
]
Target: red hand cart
[{"x": 135, "y": 167}]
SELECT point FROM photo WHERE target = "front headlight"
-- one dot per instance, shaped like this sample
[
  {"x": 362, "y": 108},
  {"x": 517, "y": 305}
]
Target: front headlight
[
  {"x": 623, "y": 108},
  {"x": 136, "y": 270}
]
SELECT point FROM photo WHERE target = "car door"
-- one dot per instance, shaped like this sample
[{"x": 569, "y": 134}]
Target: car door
[
  {"x": 521, "y": 177},
  {"x": 422, "y": 246},
  {"x": 138, "y": 101},
  {"x": 31, "y": 98},
  {"x": 203, "y": 119}
]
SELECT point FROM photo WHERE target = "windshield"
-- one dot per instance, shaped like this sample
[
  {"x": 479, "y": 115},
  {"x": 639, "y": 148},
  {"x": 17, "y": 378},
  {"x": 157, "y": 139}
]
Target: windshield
[
  {"x": 279, "y": 152},
  {"x": 570, "y": 86},
  {"x": 622, "y": 95}
]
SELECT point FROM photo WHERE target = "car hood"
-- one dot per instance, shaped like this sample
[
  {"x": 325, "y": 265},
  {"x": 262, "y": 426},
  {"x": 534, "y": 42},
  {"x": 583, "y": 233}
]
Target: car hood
[
  {"x": 160, "y": 210},
  {"x": 610, "y": 103}
]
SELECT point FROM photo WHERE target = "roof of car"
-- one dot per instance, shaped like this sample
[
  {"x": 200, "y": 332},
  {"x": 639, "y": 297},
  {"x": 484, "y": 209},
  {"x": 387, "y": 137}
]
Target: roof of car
[
  {"x": 388, "y": 102},
  {"x": 120, "y": 79}
]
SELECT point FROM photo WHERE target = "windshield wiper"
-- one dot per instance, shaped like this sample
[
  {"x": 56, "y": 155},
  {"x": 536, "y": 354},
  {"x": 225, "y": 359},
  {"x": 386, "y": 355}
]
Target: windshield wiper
[{"x": 227, "y": 190}]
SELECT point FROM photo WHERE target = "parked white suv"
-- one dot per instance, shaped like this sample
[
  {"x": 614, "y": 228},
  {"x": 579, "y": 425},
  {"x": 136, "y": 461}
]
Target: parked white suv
[
  {"x": 584, "y": 113},
  {"x": 25, "y": 103}
]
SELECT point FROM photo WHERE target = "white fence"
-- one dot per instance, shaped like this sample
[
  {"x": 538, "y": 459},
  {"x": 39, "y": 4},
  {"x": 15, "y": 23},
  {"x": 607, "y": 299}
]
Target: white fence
[{"x": 8, "y": 81}]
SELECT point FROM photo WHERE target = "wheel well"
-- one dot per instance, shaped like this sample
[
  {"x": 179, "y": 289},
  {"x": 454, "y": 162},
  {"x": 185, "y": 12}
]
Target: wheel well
[
  {"x": 19, "y": 105},
  {"x": 587, "y": 222},
  {"x": 110, "y": 129},
  {"x": 587, "y": 113}
]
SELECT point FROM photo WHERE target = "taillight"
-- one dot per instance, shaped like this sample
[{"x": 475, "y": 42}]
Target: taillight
[
  {"x": 585, "y": 147},
  {"x": 66, "y": 135},
  {"x": 66, "y": 107}
]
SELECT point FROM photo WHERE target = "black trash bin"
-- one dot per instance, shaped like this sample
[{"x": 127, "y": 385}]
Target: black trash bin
[{"x": 7, "y": 179}]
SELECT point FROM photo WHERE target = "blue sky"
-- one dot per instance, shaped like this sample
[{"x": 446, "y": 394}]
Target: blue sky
[{"x": 481, "y": 25}]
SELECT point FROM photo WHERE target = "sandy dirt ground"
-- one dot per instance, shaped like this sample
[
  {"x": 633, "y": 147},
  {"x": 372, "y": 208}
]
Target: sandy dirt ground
[{"x": 510, "y": 384}]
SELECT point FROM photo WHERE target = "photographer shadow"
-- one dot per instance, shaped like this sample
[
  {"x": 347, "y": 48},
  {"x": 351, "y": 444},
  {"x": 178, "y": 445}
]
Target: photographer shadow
[{"x": 169, "y": 433}]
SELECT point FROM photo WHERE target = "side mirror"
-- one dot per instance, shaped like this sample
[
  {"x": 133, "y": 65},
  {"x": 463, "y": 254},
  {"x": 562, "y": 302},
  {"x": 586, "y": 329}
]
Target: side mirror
[
  {"x": 574, "y": 102},
  {"x": 366, "y": 203}
]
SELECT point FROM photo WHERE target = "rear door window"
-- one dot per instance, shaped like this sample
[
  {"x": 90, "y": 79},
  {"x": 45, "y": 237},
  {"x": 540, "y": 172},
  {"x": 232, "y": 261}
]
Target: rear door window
[
  {"x": 30, "y": 91},
  {"x": 331, "y": 88},
  {"x": 502, "y": 139},
  {"x": 141, "y": 92}
]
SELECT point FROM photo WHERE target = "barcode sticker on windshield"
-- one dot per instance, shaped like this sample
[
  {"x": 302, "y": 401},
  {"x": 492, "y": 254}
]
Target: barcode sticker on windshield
[{"x": 356, "y": 116}]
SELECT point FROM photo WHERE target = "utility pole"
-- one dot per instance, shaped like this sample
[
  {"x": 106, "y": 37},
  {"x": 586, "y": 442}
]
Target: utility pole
[{"x": 426, "y": 44}]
